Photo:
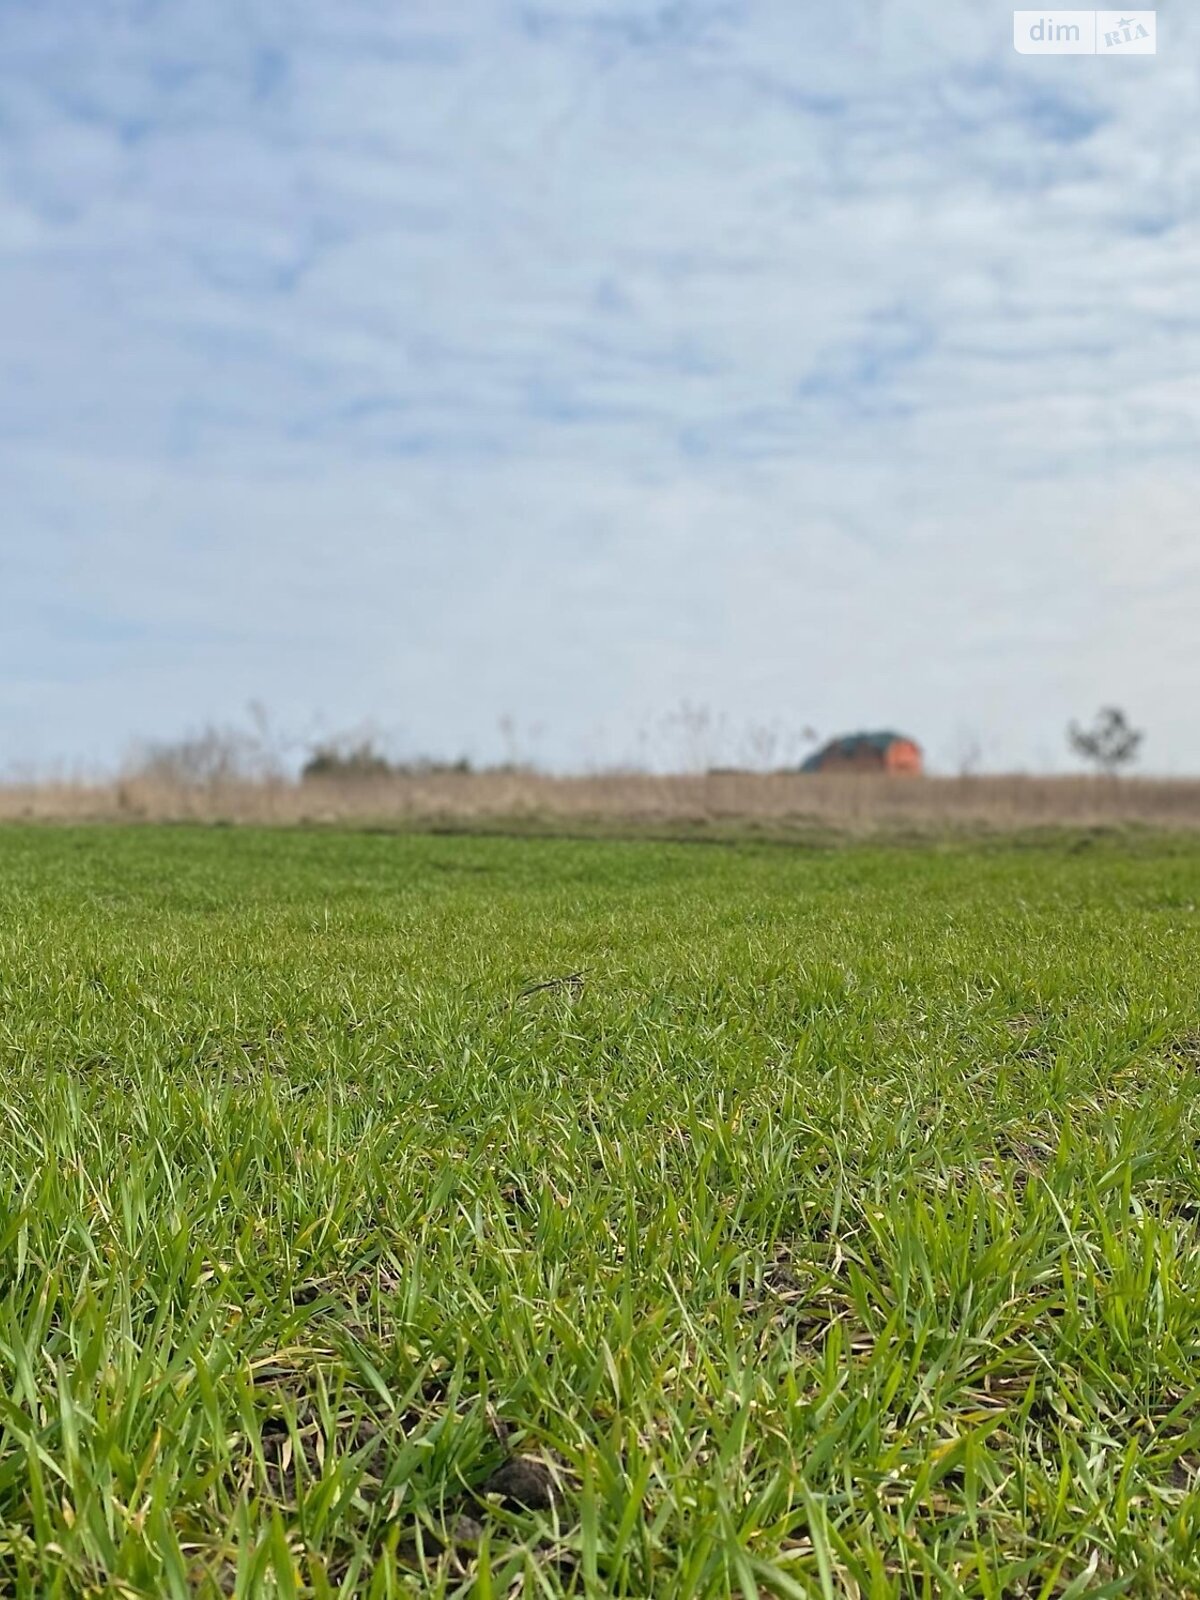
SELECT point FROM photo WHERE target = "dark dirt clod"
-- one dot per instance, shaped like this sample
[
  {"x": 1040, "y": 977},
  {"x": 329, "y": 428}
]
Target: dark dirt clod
[
  {"x": 466, "y": 1532},
  {"x": 523, "y": 1483},
  {"x": 1184, "y": 1051}
]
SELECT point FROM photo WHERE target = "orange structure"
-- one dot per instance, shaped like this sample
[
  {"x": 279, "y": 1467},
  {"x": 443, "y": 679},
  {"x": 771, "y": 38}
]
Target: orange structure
[{"x": 867, "y": 752}]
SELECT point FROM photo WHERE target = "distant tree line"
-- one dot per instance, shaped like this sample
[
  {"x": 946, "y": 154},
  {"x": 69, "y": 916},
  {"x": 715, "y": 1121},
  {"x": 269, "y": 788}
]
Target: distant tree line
[
  {"x": 363, "y": 761},
  {"x": 222, "y": 753}
]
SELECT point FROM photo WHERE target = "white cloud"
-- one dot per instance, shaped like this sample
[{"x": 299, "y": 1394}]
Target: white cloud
[{"x": 571, "y": 360}]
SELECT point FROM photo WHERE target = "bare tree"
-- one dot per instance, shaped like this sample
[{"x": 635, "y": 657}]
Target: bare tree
[
  {"x": 1111, "y": 742},
  {"x": 698, "y": 734},
  {"x": 219, "y": 753},
  {"x": 214, "y": 755},
  {"x": 968, "y": 751},
  {"x": 518, "y": 743}
]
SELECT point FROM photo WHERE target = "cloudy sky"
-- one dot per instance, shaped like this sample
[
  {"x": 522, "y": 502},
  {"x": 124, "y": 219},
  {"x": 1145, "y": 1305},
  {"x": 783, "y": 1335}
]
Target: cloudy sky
[{"x": 418, "y": 363}]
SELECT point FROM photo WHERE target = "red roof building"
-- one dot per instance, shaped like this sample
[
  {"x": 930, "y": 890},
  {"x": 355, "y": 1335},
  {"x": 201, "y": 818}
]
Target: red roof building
[{"x": 867, "y": 752}]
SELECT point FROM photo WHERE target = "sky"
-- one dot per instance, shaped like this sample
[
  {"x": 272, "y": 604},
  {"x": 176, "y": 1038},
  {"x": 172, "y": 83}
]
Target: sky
[{"x": 501, "y": 376}]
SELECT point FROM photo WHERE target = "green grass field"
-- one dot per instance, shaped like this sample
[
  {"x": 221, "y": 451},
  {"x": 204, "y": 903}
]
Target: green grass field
[{"x": 826, "y": 1222}]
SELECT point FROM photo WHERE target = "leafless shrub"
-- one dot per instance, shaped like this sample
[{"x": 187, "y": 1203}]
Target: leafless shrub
[
  {"x": 210, "y": 757},
  {"x": 968, "y": 752},
  {"x": 216, "y": 756},
  {"x": 694, "y": 738}
]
